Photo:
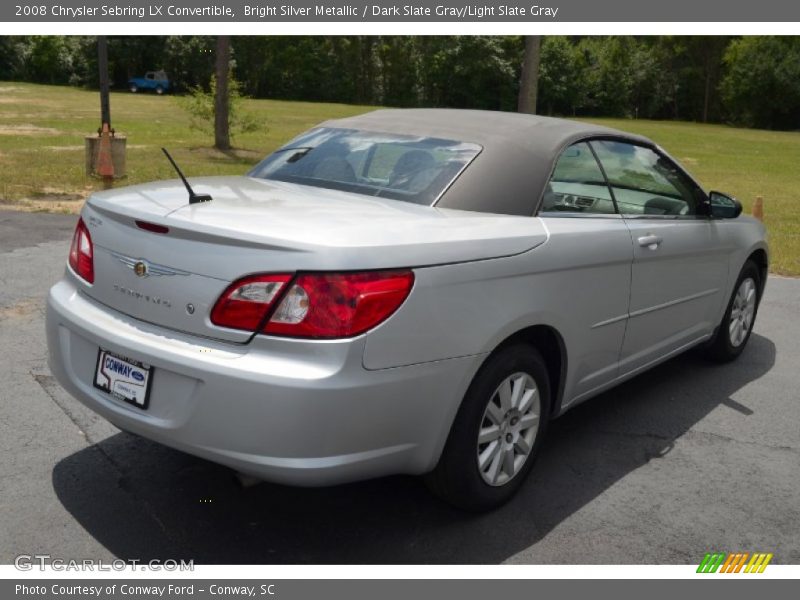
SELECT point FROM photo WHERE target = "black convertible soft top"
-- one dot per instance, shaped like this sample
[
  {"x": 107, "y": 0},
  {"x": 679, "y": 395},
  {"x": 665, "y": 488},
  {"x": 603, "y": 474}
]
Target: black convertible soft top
[{"x": 519, "y": 150}]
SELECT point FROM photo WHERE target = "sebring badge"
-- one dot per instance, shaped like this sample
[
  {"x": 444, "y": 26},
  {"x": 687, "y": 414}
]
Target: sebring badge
[
  {"x": 142, "y": 296},
  {"x": 142, "y": 268}
]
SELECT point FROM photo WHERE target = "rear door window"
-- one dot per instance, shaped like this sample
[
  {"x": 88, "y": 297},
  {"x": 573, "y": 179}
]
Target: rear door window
[{"x": 577, "y": 184}]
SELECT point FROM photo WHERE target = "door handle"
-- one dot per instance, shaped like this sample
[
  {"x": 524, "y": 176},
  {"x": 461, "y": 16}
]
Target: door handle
[{"x": 650, "y": 241}]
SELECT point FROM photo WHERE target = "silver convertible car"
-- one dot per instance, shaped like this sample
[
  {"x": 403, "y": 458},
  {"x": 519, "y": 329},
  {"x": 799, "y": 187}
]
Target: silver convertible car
[{"x": 405, "y": 291}]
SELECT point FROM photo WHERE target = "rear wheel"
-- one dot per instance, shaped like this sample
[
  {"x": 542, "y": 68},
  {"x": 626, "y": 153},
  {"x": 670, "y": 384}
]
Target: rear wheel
[
  {"x": 737, "y": 324},
  {"x": 159, "y": 90},
  {"x": 133, "y": 88},
  {"x": 497, "y": 433}
]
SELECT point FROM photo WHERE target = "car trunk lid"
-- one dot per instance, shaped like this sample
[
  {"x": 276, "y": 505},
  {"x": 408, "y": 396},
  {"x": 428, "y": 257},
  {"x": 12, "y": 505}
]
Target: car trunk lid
[{"x": 255, "y": 226}]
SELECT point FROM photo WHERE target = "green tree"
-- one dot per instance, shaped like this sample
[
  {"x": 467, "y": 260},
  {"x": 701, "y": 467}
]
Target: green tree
[
  {"x": 471, "y": 71},
  {"x": 10, "y": 58},
  {"x": 188, "y": 60},
  {"x": 761, "y": 86},
  {"x": 399, "y": 68},
  {"x": 200, "y": 104},
  {"x": 48, "y": 58},
  {"x": 562, "y": 77}
]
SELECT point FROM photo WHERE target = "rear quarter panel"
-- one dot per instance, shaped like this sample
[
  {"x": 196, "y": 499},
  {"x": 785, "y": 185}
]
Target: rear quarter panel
[{"x": 571, "y": 283}]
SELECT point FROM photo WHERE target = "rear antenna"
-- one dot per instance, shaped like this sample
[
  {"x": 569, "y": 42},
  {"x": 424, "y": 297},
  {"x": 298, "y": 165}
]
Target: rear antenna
[{"x": 193, "y": 198}]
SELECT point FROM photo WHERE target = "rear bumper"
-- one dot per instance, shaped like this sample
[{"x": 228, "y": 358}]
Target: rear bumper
[{"x": 290, "y": 411}]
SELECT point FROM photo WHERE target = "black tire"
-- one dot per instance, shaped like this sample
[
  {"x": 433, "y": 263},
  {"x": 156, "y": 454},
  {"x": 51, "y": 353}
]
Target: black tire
[
  {"x": 133, "y": 88},
  {"x": 457, "y": 478},
  {"x": 723, "y": 348},
  {"x": 159, "y": 90}
]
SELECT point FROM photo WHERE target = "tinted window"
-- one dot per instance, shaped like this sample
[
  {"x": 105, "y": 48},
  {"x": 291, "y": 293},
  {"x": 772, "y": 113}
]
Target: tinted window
[
  {"x": 644, "y": 182},
  {"x": 412, "y": 169},
  {"x": 577, "y": 184}
]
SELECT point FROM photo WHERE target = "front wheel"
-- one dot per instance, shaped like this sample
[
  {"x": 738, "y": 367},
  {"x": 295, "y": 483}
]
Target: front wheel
[
  {"x": 159, "y": 90},
  {"x": 737, "y": 323},
  {"x": 497, "y": 432}
]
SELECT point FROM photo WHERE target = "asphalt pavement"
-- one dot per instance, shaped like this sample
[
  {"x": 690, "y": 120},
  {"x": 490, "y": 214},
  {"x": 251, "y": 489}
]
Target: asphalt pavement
[{"x": 688, "y": 458}]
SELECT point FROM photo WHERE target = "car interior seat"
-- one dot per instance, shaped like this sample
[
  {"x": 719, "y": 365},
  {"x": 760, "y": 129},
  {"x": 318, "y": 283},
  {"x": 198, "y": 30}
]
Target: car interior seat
[
  {"x": 664, "y": 206},
  {"x": 334, "y": 168},
  {"x": 410, "y": 163}
]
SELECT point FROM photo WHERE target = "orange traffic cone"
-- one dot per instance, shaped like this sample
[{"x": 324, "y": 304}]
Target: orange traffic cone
[
  {"x": 758, "y": 208},
  {"x": 105, "y": 164}
]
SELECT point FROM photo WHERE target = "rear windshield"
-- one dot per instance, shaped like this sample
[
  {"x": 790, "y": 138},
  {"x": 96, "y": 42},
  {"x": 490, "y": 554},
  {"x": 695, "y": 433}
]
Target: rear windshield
[{"x": 412, "y": 169}]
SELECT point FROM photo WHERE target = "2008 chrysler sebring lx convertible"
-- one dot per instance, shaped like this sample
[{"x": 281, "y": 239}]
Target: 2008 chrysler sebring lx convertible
[{"x": 405, "y": 291}]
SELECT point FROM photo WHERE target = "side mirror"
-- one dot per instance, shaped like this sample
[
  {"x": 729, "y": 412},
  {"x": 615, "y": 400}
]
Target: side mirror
[{"x": 723, "y": 206}]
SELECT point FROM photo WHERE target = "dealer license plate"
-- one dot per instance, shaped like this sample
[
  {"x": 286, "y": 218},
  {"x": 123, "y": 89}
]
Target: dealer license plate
[{"x": 123, "y": 378}]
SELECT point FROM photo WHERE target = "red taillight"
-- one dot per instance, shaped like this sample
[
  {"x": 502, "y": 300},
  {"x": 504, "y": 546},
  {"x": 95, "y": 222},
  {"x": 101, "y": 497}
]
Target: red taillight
[
  {"x": 246, "y": 302},
  {"x": 81, "y": 253},
  {"x": 335, "y": 305},
  {"x": 314, "y": 305}
]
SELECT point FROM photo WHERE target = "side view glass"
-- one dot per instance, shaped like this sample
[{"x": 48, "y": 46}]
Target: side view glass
[{"x": 724, "y": 206}]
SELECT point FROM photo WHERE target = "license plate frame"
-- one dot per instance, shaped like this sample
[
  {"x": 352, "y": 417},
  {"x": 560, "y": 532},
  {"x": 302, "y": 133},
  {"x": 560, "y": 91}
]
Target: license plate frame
[{"x": 118, "y": 378}]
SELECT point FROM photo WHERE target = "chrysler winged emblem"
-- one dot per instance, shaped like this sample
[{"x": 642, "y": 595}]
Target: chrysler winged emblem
[
  {"x": 143, "y": 268},
  {"x": 140, "y": 268}
]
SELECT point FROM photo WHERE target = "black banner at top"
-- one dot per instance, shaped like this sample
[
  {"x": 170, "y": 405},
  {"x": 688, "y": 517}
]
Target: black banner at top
[{"x": 453, "y": 11}]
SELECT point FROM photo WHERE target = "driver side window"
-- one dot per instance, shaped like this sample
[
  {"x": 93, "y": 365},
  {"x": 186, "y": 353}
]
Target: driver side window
[
  {"x": 577, "y": 185},
  {"x": 645, "y": 183}
]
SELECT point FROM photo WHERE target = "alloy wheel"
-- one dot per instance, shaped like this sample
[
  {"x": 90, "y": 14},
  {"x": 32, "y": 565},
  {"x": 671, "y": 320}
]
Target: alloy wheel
[
  {"x": 742, "y": 312},
  {"x": 508, "y": 429}
]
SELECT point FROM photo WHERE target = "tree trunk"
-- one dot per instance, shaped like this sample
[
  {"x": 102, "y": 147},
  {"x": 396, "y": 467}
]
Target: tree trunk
[
  {"x": 529, "y": 81},
  {"x": 222, "y": 136}
]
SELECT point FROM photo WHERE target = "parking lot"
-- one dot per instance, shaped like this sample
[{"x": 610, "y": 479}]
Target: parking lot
[{"x": 688, "y": 458}]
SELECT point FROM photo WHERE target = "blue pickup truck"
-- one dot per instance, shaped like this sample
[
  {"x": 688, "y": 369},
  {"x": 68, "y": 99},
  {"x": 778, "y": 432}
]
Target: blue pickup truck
[{"x": 156, "y": 81}]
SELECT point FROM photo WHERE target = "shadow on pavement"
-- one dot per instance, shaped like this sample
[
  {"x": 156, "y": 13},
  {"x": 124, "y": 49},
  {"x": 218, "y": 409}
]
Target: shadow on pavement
[{"x": 144, "y": 501}]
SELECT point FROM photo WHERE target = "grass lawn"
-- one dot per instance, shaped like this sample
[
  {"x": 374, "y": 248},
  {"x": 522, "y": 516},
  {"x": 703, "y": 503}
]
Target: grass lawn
[{"x": 42, "y": 157}]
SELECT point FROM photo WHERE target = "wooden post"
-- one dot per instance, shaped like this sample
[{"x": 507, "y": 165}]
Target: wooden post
[
  {"x": 102, "y": 66},
  {"x": 105, "y": 164},
  {"x": 529, "y": 81},
  {"x": 758, "y": 208},
  {"x": 222, "y": 136}
]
